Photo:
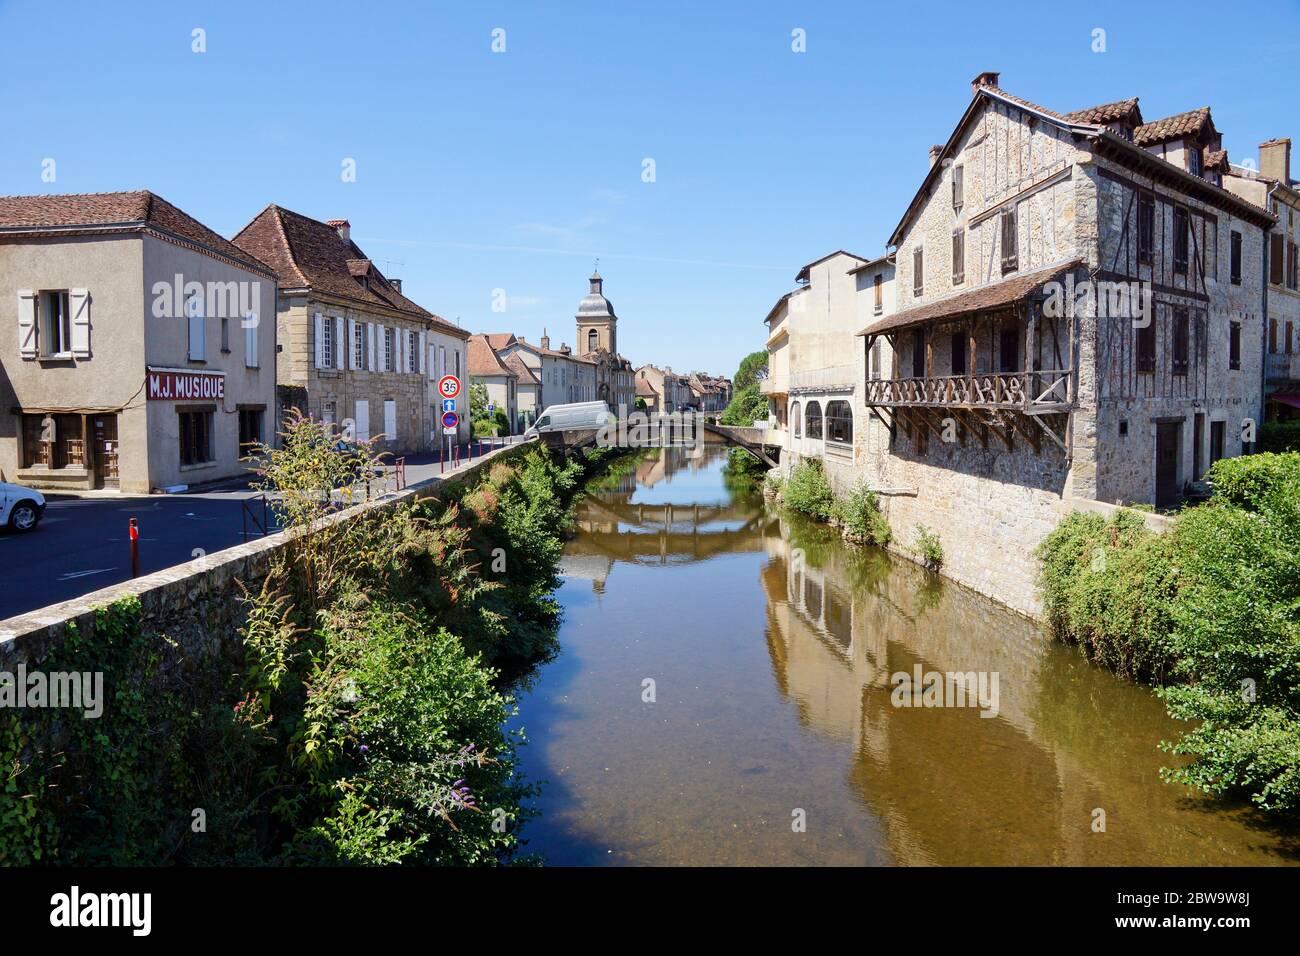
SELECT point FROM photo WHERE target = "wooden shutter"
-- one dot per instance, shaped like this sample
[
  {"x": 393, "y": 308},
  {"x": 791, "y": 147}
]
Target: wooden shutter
[
  {"x": 1009, "y": 256},
  {"x": 28, "y": 332},
  {"x": 79, "y": 307},
  {"x": 918, "y": 270},
  {"x": 320, "y": 341}
]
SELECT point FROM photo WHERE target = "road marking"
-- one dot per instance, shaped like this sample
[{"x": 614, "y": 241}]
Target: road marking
[{"x": 72, "y": 575}]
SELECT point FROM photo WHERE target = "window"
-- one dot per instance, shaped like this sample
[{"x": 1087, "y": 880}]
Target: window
[
  {"x": 1236, "y": 258},
  {"x": 390, "y": 419},
  {"x": 1234, "y": 345},
  {"x": 1146, "y": 226},
  {"x": 390, "y": 341},
  {"x": 1275, "y": 259},
  {"x": 958, "y": 188},
  {"x": 1180, "y": 240},
  {"x": 592, "y": 340},
  {"x": 358, "y": 345},
  {"x": 814, "y": 420},
  {"x": 1272, "y": 336},
  {"x": 56, "y": 323},
  {"x": 1289, "y": 339},
  {"x": 1145, "y": 346},
  {"x": 1210, "y": 248},
  {"x": 197, "y": 351},
  {"x": 959, "y": 353},
  {"x": 412, "y": 353},
  {"x": 250, "y": 341},
  {"x": 1291, "y": 268},
  {"x": 918, "y": 270},
  {"x": 1180, "y": 342},
  {"x": 958, "y": 257},
  {"x": 1123, "y": 427},
  {"x": 195, "y": 436},
  {"x": 878, "y": 285},
  {"x": 250, "y": 430},
  {"x": 1216, "y": 441},
  {"x": 1194, "y": 159},
  {"x": 839, "y": 422},
  {"x": 1009, "y": 257},
  {"x": 918, "y": 353},
  {"x": 874, "y": 359},
  {"x": 1009, "y": 350},
  {"x": 225, "y": 335},
  {"x": 327, "y": 343},
  {"x": 53, "y": 441},
  {"x": 457, "y": 354}
]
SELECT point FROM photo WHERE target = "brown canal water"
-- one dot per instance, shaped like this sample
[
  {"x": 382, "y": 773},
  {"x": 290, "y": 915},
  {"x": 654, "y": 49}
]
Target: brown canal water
[{"x": 771, "y": 644}]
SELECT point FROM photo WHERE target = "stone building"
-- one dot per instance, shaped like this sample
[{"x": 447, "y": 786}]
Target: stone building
[
  {"x": 487, "y": 369},
  {"x": 1272, "y": 187},
  {"x": 672, "y": 392},
  {"x": 1079, "y": 316},
  {"x": 141, "y": 347},
  {"x": 597, "y": 327},
  {"x": 818, "y": 359},
  {"x": 347, "y": 333}
]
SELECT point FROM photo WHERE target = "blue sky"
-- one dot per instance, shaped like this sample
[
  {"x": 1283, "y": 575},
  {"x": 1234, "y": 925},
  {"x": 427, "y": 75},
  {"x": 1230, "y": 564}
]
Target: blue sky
[{"x": 478, "y": 171}]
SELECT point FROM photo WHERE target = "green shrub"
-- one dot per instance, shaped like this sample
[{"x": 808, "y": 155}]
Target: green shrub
[
  {"x": 1279, "y": 436},
  {"x": 929, "y": 547},
  {"x": 808, "y": 491},
  {"x": 858, "y": 513},
  {"x": 1247, "y": 480},
  {"x": 747, "y": 406}
]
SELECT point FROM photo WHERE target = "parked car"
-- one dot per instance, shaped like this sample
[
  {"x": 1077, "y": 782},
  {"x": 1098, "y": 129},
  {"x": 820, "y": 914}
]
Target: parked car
[
  {"x": 578, "y": 416},
  {"x": 21, "y": 509}
]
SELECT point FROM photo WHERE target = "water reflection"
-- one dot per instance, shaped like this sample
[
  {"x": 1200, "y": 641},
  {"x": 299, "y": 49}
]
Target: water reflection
[{"x": 771, "y": 647}]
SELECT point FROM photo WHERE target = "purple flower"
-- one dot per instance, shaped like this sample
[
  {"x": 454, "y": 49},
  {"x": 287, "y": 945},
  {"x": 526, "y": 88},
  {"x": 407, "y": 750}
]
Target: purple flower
[{"x": 365, "y": 749}]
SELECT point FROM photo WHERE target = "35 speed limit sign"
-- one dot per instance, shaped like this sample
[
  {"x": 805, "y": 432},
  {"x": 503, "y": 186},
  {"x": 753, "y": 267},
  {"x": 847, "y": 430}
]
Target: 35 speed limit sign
[{"x": 449, "y": 386}]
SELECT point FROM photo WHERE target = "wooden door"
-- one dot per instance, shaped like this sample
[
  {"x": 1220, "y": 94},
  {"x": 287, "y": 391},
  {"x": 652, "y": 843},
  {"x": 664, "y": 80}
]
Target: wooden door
[
  {"x": 104, "y": 438},
  {"x": 1168, "y": 444}
]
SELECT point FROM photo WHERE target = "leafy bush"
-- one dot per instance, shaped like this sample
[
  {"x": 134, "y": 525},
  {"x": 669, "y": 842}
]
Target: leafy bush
[
  {"x": 1248, "y": 480},
  {"x": 808, "y": 491},
  {"x": 929, "y": 547},
  {"x": 1279, "y": 436},
  {"x": 747, "y": 406},
  {"x": 858, "y": 513}
]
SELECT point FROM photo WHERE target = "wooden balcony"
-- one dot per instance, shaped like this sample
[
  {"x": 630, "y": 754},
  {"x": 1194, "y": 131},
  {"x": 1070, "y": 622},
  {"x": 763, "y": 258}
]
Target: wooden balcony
[{"x": 1032, "y": 393}]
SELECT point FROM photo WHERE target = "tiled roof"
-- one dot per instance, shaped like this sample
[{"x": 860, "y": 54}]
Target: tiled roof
[
  {"x": 520, "y": 369},
  {"x": 1106, "y": 112},
  {"x": 991, "y": 296},
  {"x": 1216, "y": 159},
  {"x": 1171, "y": 127},
  {"x": 307, "y": 253},
  {"x": 645, "y": 389},
  {"x": 499, "y": 340},
  {"x": 117, "y": 209},
  {"x": 482, "y": 360}
]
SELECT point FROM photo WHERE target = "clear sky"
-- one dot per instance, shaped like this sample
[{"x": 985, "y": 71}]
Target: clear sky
[{"x": 479, "y": 171}]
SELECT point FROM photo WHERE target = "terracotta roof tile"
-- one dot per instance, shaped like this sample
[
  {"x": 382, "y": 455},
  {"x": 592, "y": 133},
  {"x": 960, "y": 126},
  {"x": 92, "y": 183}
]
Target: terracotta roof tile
[
  {"x": 137, "y": 208},
  {"x": 1106, "y": 112},
  {"x": 483, "y": 360},
  {"x": 522, "y": 372},
  {"x": 307, "y": 253},
  {"x": 1171, "y": 127},
  {"x": 991, "y": 296}
]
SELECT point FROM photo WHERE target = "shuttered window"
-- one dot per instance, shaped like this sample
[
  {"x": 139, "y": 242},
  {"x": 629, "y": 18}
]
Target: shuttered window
[
  {"x": 1009, "y": 256},
  {"x": 1180, "y": 342},
  {"x": 958, "y": 188},
  {"x": 918, "y": 271},
  {"x": 1234, "y": 345},
  {"x": 1236, "y": 258},
  {"x": 1145, "y": 346},
  {"x": 1180, "y": 240},
  {"x": 958, "y": 257},
  {"x": 1146, "y": 226}
]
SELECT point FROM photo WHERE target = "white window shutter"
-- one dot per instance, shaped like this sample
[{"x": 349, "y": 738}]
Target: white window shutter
[
  {"x": 352, "y": 344},
  {"x": 79, "y": 306},
  {"x": 197, "y": 343},
  {"x": 28, "y": 336},
  {"x": 251, "y": 323},
  {"x": 370, "y": 346},
  {"x": 404, "y": 343},
  {"x": 320, "y": 341},
  {"x": 424, "y": 348},
  {"x": 339, "y": 345}
]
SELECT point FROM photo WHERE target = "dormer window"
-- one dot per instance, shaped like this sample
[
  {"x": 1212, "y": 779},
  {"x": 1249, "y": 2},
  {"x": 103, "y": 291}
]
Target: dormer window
[{"x": 1194, "y": 160}]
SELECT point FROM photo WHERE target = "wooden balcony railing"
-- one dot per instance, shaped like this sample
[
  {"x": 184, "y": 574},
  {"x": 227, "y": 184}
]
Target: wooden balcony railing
[{"x": 1041, "y": 390}]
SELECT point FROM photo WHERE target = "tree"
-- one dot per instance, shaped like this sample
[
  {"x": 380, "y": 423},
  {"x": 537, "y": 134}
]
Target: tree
[{"x": 753, "y": 369}]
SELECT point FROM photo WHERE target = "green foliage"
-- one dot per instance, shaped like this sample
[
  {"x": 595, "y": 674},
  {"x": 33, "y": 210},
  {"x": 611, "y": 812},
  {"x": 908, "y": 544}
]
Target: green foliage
[
  {"x": 858, "y": 513},
  {"x": 1280, "y": 436},
  {"x": 1107, "y": 587},
  {"x": 808, "y": 491},
  {"x": 929, "y": 547},
  {"x": 1248, "y": 480},
  {"x": 747, "y": 406},
  {"x": 752, "y": 370},
  {"x": 1212, "y": 610},
  {"x": 641, "y": 405}
]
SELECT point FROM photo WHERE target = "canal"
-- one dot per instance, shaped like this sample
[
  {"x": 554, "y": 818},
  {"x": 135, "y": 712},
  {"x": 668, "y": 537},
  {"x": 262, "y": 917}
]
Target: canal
[{"x": 723, "y": 696}]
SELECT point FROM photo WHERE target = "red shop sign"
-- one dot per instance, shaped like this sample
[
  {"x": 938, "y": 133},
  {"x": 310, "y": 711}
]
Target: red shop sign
[{"x": 165, "y": 385}]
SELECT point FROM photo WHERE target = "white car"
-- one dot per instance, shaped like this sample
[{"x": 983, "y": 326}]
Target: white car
[{"x": 20, "y": 508}]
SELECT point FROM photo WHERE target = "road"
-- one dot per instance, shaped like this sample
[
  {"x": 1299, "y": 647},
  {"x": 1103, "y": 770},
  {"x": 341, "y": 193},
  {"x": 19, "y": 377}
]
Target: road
[{"x": 81, "y": 545}]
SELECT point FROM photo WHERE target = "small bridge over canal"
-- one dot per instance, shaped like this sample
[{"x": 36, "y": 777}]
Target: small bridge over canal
[{"x": 665, "y": 435}]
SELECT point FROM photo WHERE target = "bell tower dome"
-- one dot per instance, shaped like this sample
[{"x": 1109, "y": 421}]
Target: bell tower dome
[{"x": 596, "y": 322}]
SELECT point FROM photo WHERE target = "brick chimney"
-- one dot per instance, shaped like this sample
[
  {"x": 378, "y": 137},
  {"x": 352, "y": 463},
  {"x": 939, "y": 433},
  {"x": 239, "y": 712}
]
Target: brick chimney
[
  {"x": 343, "y": 226},
  {"x": 934, "y": 154},
  {"x": 1275, "y": 160},
  {"x": 546, "y": 339},
  {"x": 395, "y": 283},
  {"x": 987, "y": 78}
]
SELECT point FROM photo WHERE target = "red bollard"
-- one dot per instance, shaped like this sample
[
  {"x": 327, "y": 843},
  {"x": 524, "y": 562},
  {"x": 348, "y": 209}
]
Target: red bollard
[{"x": 134, "y": 534}]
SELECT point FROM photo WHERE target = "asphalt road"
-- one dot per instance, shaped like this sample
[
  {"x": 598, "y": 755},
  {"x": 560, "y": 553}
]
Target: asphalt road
[{"x": 81, "y": 545}]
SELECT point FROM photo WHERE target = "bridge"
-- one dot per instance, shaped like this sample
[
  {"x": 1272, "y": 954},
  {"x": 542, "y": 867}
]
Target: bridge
[{"x": 668, "y": 434}]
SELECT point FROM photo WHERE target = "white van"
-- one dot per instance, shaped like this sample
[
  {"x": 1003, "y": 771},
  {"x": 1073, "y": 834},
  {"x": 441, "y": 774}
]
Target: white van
[{"x": 578, "y": 416}]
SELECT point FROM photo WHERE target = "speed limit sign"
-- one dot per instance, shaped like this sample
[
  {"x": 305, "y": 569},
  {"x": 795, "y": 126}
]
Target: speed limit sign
[{"x": 449, "y": 386}]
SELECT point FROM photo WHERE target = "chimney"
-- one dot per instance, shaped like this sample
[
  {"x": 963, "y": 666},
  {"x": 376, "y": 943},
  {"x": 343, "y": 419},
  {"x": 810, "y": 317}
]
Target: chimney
[
  {"x": 934, "y": 154},
  {"x": 987, "y": 78},
  {"x": 1275, "y": 160},
  {"x": 546, "y": 339},
  {"x": 343, "y": 226},
  {"x": 395, "y": 283}
]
